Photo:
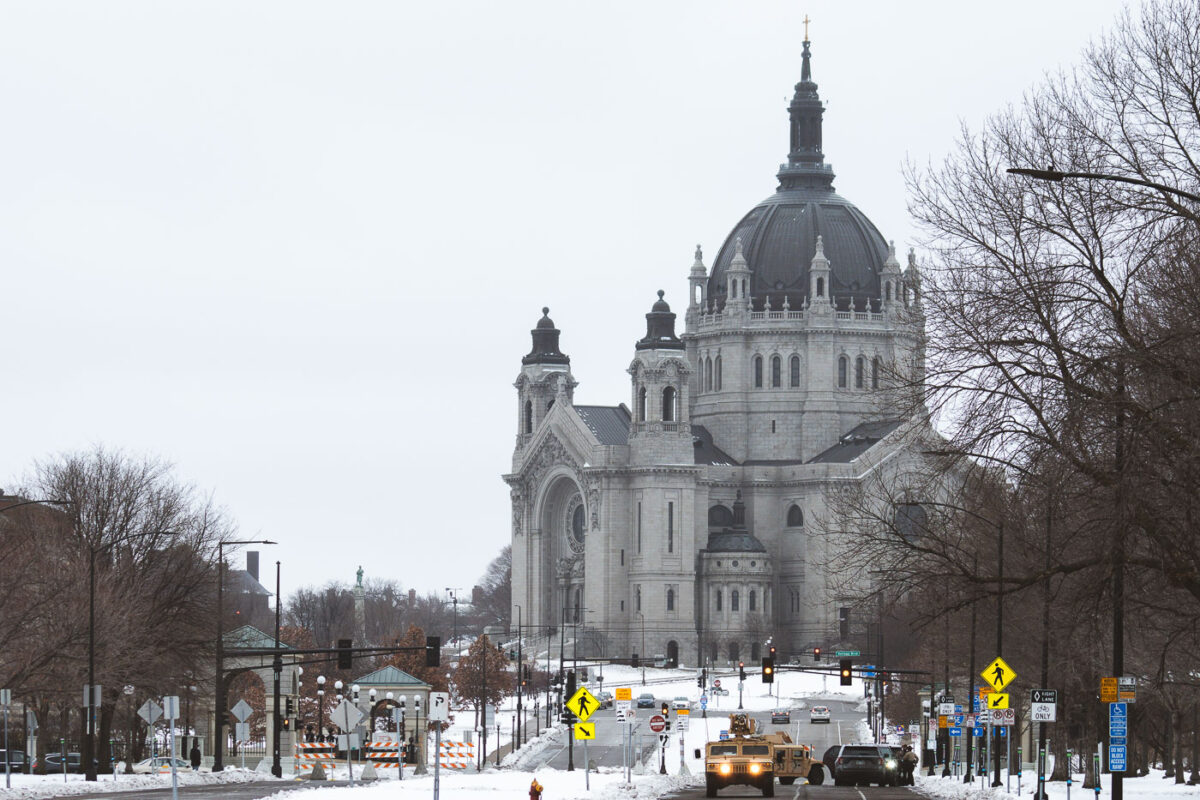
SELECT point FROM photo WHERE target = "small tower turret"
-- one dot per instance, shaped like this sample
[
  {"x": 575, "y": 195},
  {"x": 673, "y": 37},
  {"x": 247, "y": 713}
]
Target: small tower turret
[
  {"x": 737, "y": 282},
  {"x": 912, "y": 282},
  {"x": 697, "y": 290},
  {"x": 892, "y": 282},
  {"x": 545, "y": 376},
  {"x": 819, "y": 299}
]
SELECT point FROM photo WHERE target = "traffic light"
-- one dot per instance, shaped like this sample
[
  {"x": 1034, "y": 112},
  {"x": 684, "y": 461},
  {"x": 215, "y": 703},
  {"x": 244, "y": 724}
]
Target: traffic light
[
  {"x": 742, "y": 670},
  {"x": 633, "y": 662},
  {"x": 666, "y": 712},
  {"x": 289, "y": 707},
  {"x": 433, "y": 651},
  {"x": 816, "y": 654},
  {"x": 700, "y": 680},
  {"x": 287, "y": 723},
  {"x": 345, "y": 659},
  {"x": 772, "y": 651},
  {"x": 570, "y": 685},
  {"x": 768, "y": 669},
  {"x": 844, "y": 667}
]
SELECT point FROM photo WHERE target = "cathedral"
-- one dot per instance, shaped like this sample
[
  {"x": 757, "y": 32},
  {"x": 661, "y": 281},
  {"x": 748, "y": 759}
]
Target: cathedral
[{"x": 684, "y": 524}]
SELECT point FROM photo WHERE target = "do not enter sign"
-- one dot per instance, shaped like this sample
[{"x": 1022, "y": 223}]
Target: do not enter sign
[{"x": 658, "y": 723}]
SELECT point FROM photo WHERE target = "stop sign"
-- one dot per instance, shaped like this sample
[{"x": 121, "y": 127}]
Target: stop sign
[
  {"x": 717, "y": 683},
  {"x": 657, "y": 723}
]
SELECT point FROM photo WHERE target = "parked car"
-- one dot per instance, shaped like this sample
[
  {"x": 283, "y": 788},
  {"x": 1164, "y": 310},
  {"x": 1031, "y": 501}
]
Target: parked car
[
  {"x": 681, "y": 702},
  {"x": 52, "y": 762},
  {"x": 865, "y": 764},
  {"x": 819, "y": 714},
  {"x": 161, "y": 764},
  {"x": 606, "y": 699},
  {"x": 781, "y": 716},
  {"x": 645, "y": 700},
  {"x": 16, "y": 760}
]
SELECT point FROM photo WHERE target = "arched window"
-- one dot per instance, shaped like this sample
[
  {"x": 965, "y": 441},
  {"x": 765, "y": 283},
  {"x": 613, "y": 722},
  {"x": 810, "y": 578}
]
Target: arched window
[
  {"x": 528, "y": 425},
  {"x": 888, "y": 290},
  {"x": 860, "y": 367},
  {"x": 708, "y": 374},
  {"x": 911, "y": 522},
  {"x": 755, "y": 651},
  {"x": 720, "y": 517},
  {"x": 733, "y": 651},
  {"x": 718, "y": 600},
  {"x": 670, "y": 599},
  {"x": 758, "y": 372},
  {"x": 733, "y": 600},
  {"x": 753, "y": 600},
  {"x": 795, "y": 517},
  {"x": 712, "y": 652},
  {"x": 641, "y": 405},
  {"x": 794, "y": 369},
  {"x": 876, "y": 368},
  {"x": 578, "y": 603},
  {"x": 669, "y": 404},
  {"x": 637, "y": 599},
  {"x": 776, "y": 370},
  {"x": 717, "y": 377},
  {"x": 843, "y": 368},
  {"x": 820, "y": 287}
]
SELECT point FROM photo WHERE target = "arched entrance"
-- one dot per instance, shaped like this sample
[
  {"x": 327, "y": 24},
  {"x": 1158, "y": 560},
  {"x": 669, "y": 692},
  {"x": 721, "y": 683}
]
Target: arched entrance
[
  {"x": 563, "y": 519},
  {"x": 673, "y": 653}
]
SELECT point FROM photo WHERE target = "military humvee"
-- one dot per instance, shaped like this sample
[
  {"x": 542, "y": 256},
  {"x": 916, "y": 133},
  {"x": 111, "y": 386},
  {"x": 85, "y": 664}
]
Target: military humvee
[{"x": 745, "y": 759}]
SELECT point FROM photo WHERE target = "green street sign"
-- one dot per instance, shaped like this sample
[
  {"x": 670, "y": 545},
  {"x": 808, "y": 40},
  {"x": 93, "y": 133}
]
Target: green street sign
[{"x": 847, "y": 653}]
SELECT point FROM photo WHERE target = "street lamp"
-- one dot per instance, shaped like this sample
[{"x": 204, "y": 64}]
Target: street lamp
[
  {"x": 453, "y": 592},
  {"x": 1056, "y": 176},
  {"x": 642, "y": 652},
  {"x": 219, "y": 695},
  {"x": 321, "y": 708}
]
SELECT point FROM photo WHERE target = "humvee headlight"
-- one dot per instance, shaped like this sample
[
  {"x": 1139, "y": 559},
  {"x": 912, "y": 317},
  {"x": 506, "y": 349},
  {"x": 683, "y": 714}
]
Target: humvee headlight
[
  {"x": 755, "y": 769},
  {"x": 724, "y": 769},
  {"x": 890, "y": 764}
]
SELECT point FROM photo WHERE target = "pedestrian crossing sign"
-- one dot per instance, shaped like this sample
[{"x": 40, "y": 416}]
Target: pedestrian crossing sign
[
  {"x": 998, "y": 674},
  {"x": 997, "y": 700},
  {"x": 583, "y": 704},
  {"x": 585, "y": 730}
]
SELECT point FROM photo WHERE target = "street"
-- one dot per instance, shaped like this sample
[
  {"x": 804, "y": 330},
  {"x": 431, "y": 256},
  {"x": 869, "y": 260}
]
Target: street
[{"x": 216, "y": 791}]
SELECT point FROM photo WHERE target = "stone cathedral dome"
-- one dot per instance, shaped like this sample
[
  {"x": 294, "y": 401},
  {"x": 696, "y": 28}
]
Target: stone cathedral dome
[{"x": 779, "y": 235}]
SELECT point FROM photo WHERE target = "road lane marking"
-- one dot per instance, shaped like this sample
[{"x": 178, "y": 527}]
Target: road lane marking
[{"x": 860, "y": 794}]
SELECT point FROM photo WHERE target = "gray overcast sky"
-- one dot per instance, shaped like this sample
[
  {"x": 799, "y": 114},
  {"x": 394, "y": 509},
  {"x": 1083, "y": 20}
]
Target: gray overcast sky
[{"x": 297, "y": 248}]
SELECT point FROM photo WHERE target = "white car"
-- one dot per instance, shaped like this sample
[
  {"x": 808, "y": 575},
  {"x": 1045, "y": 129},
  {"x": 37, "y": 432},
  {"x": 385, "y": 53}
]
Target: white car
[
  {"x": 681, "y": 702},
  {"x": 161, "y": 764},
  {"x": 819, "y": 714}
]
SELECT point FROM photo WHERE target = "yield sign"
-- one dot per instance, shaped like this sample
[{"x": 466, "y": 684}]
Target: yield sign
[
  {"x": 583, "y": 704},
  {"x": 998, "y": 674}
]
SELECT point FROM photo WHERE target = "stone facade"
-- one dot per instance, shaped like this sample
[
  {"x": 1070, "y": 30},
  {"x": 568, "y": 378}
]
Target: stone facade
[{"x": 683, "y": 524}]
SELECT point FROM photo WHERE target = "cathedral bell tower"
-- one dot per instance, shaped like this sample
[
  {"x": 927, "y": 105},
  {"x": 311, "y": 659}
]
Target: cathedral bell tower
[
  {"x": 545, "y": 378},
  {"x": 661, "y": 427}
]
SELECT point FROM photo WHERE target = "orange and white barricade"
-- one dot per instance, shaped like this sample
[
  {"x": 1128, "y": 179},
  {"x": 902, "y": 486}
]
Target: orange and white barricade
[
  {"x": 456, "y": 755},
  {"x": 384, "y": 754},
  {"x": 309, "y": 754}
]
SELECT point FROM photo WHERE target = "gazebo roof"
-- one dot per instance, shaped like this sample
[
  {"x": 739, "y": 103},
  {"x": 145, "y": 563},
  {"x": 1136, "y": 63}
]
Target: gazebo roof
[
  {"x": 250, "y": 636},
  {"x": 389, "y": 676}
]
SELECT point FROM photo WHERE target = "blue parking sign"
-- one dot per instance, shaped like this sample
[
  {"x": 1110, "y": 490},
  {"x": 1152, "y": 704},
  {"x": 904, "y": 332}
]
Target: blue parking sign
[{"x": 1116, "y": 758}]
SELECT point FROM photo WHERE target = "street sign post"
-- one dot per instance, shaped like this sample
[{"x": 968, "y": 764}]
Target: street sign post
[
  {"x": 241, "y": 711},
  {"x": 658, "y": 723},
  {"x": 346, "y": 716},
  {"x": 583, "y": 704},
  {"x": 1127, "y": 689},
  {"x": 585, "y": 730},
  {"x": 997, "y": 700},
  {"x": 1043, "y": 705},
  {"x": 1109, "y": 692},
  {"x": 847, "y": 653}
]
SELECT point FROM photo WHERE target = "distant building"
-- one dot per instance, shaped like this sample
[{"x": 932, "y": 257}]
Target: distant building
[{"x": 681, "y": 524}]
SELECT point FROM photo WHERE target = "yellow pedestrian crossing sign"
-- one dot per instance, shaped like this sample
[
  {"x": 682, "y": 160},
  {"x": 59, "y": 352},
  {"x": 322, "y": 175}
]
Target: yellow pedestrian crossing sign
[
  {"x": 997, "y": 700},
  {"x": 998, "y": 675},
  {"x": 583, "y": 704},
  {"x": 585, "y": 730}
]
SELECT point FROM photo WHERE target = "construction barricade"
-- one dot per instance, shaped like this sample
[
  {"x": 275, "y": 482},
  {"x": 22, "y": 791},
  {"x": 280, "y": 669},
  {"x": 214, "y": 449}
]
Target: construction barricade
[
  {"x": 456, "y": 755},
  {"x": 383, "y": 754},
  {"x": 309, "y": 754}
]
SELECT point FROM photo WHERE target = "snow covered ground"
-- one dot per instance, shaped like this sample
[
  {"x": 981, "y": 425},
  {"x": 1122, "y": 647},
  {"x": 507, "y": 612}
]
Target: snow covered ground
[
  {"x": 1149, "y": 787},
  {"x": 30, "y": 787},
  {"x": 792, "y": 690}
]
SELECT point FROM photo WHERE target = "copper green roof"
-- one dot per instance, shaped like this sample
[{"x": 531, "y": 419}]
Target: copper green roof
[{"x": 389, "y": 676}]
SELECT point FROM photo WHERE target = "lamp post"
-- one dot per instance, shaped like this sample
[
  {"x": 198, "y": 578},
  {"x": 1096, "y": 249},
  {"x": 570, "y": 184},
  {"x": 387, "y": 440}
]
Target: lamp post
[
  {"x": 453, "y": 592},
  {"x": 219, "y": 677},
  {"x": 642, "y": 652},
  {"x": 1056, "y": 176},
  {"x": 321, "y": 708},
  {"x": 520, "y": 680}
]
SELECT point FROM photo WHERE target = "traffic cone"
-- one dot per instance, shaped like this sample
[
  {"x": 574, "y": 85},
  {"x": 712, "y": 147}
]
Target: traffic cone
[{"x": 318, "y": 773}]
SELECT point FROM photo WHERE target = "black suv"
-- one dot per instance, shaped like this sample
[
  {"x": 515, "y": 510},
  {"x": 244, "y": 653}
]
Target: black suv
[
  {"x": 53, "y": 762},
  {"x": 865, "y": 764}
]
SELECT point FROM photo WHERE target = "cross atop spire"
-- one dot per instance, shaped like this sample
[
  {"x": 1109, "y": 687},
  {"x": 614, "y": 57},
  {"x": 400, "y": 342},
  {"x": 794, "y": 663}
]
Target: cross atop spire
[{"x": 806, "y": 21}]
